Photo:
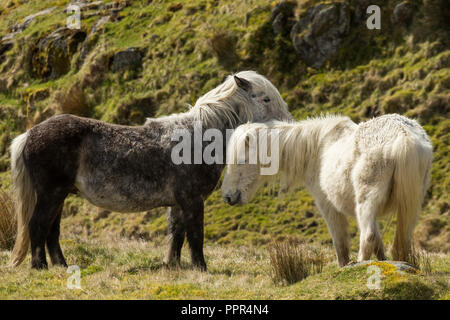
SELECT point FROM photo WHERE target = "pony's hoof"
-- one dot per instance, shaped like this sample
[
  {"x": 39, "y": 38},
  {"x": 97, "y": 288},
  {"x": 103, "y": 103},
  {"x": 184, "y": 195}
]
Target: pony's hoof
[
  {"x": 172, "y": 265},
  {"x": 39, "y": 266}
]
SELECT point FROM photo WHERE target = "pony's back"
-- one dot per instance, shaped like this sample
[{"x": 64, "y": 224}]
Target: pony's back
[{"x": 384, "y": 130}]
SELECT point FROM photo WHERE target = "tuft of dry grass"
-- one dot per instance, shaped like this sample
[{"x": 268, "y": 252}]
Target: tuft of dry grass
[
  {"x": 7, "y": 222},
  {"x": 421, "y": 259},
  {"x": 293, "y": 262},
  {"x": 72, "y": 101}
]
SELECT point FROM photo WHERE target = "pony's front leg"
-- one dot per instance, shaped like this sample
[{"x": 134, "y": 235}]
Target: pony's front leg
[
  {"x": 176, "y": 233},
  {"x": 193, "y": 213},
  {"x": 337, "y": 226}
]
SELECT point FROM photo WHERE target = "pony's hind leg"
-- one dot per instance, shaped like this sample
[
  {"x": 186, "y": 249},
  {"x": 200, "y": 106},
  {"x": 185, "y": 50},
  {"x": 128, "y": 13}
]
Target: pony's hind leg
[
  {"x": 40, "y": 225},
  {"x": 372, "y": 184},
  {"x": 53, "y": 246},
  {"x": 367, "y": 208},
  {"x": 176, "y": 233}
]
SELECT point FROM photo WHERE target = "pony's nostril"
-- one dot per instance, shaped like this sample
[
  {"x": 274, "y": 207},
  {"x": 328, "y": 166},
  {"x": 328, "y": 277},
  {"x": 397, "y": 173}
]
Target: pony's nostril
[{"x": 232, "y": 198}]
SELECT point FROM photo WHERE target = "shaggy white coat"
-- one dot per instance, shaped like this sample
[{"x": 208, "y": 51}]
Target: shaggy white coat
[{"x": 363, "y": 171}]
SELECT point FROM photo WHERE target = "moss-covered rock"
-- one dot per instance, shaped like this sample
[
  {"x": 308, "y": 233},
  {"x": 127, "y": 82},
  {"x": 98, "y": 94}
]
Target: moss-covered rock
[
  {"x": 320, "y": 31},
  {"x": 52, "y": 54}
]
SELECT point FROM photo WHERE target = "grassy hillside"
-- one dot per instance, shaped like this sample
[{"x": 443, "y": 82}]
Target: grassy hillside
[{"x": 185, "y": 49}]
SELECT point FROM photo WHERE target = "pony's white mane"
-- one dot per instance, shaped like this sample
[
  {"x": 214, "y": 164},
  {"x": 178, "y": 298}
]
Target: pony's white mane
[
  {"x": 217, "y": 107},
  {"x": 299, "y": 143}
]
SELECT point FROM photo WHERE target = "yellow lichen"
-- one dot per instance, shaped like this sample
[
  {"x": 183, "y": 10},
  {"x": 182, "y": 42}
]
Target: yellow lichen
[{"x": 389, "y": 271}]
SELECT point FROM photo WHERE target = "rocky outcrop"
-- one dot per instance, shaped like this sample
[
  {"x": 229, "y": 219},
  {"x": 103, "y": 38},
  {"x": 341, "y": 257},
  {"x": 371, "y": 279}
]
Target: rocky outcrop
[
  {"x": 51, "y": 56},
  {"x": 320, "y": 31},
  {"x": 403, "y": 13}
]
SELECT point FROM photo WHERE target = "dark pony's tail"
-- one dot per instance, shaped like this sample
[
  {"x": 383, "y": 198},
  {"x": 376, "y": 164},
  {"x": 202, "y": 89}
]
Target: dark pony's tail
[{"x": 24, "y": 199}]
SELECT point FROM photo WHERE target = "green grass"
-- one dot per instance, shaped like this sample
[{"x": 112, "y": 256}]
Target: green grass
[{"x": 123, "y": 269}]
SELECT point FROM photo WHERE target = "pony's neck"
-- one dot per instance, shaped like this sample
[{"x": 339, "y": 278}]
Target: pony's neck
[
  {"x": 216, "y": 117},
  {"x": 300, "y": 146}
]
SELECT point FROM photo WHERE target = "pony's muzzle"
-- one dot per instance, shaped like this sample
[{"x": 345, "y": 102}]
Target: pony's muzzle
[{"x": 232, "y": 198}]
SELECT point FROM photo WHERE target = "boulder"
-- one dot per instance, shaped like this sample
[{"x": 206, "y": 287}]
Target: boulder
[
  {"x": 403, "y": 13},
  {"x": 128, "y": 59},
  {"x": 320, "y": 31}
]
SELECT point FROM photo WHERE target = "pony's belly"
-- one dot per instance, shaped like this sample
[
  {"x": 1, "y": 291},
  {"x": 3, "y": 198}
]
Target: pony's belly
[
  {"x": 335, "y": 180},
  {"x": 113, "y": 197}
]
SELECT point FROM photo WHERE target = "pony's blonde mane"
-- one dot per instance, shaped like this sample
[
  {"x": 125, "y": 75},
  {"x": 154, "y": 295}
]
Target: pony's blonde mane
[
  {"x": 299, "y": 143},
  {"x": 227, "y": 106}
]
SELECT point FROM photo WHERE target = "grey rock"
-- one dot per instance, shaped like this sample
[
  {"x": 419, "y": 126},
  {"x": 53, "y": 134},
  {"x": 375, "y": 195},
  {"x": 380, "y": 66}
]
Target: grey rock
[
  {"x": 320, "y": 31},
  {"x": 128, "y": 59},
  {"x": 403, "y": 13}
]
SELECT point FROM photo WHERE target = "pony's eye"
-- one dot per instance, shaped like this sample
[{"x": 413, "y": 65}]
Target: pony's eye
[{"x": 266, "y": 99}]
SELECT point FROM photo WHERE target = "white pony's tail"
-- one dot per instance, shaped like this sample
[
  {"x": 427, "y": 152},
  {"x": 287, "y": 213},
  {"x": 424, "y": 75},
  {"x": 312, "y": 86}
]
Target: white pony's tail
[
  {"x": 413, "y": 157},
  {"x": 24, "y": 199}
]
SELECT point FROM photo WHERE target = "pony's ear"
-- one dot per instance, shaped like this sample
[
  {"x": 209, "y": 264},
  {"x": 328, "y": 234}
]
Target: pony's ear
[{"x": 242, "y": 83}]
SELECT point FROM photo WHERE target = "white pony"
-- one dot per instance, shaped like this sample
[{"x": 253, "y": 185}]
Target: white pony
[{"x": 365, "y": 171}]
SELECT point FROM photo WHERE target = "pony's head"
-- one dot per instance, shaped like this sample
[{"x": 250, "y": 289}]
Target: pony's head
[
  {"x": 243, "y": 171},
  {"x": 244, "y": 97}
]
